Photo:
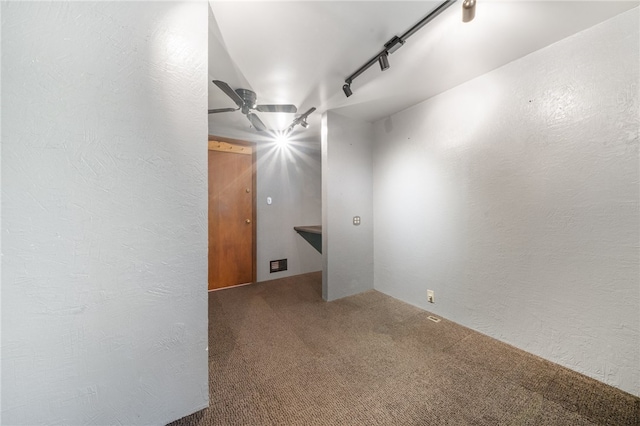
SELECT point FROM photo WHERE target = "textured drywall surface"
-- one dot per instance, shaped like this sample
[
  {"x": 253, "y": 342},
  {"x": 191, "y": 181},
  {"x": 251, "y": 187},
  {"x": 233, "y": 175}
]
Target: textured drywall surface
[
  {"x": 104, "y": 235},
  {"x": 290, "y": 176},
  {"x": 347, "y": 173},
  {"x": 515, "y": 198}
]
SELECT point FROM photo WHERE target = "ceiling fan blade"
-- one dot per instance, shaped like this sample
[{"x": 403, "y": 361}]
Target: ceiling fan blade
[
  {"x": 257, "y": 123},
  {"x": 277, "y": 108},
  {"x": 229, "y": 92},
  {"x": 214, "y": 111}
]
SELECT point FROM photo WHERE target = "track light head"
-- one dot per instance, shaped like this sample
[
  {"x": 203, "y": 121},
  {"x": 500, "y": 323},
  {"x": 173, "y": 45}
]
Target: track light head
[
  {"x": 468, "y": 10},
  {"x": 304, "y": 124},
  {"x": 347, "y": 90},
  {"x": 384, "y": 61}
]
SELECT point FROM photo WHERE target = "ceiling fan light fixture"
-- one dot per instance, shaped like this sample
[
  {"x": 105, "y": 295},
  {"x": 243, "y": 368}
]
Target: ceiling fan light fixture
[
  {"x": 282, "y": 139},
  {"x": 347, "y": 90},
  {"x": 468, "y": 10},
  {"x": 246, "y": 100},
  {"x": 384, "y": 61}
]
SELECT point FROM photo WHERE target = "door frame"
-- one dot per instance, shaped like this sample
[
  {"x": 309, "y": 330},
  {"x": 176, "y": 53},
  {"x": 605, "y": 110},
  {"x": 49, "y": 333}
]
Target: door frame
[{"x": 254, "y": 182}]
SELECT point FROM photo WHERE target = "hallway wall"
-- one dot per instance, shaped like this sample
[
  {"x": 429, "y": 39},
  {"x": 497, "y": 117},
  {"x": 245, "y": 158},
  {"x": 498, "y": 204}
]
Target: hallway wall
[
  {"x": 347, "y": 191},
  {"x": 291, "y": 176},
  {"x": 104, "y": 212}
]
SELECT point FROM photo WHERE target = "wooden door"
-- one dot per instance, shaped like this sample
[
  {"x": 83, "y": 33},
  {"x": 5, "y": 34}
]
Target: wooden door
[{"x": 231, "y": 214}]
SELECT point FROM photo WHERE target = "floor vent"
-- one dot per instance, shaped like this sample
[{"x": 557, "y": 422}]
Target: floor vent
[
  {"x": 278, "y": 265},
  {"x": 434, "y": 319}
]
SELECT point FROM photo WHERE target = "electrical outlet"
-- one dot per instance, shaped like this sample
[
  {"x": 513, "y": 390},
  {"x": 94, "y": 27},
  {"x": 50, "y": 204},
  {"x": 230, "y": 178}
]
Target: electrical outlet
[{"x": 431, "y": 297}]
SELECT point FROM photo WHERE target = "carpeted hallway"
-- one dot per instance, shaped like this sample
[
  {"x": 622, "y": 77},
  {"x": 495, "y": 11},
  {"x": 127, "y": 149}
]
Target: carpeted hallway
[{"x": 280, "y": 355}]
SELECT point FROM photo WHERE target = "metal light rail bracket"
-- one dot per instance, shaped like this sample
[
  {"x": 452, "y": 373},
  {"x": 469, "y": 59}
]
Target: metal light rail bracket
[{"x": 396, "y": 42}]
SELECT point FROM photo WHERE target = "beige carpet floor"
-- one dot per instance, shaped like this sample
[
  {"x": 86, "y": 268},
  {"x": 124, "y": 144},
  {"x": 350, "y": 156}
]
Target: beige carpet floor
[{"x": 280, "y": 355}]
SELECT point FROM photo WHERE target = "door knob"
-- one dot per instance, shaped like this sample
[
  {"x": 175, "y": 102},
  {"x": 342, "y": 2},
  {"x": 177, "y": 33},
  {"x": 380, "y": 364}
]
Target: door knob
[{"x": 248, "y": 221}]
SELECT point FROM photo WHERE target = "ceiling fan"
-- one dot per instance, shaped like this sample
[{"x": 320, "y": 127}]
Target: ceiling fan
[{"x": 246, "y": 101}]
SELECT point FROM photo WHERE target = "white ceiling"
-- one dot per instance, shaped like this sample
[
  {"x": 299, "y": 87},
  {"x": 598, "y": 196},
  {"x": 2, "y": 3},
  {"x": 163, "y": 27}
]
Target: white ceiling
[{"x": 300, "y": 52}]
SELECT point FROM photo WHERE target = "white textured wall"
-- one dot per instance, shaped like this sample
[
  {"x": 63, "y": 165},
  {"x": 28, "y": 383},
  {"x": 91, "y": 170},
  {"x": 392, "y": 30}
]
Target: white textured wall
[
  {"x": 291, "y": 177},
  {"x": 104, "y": 207},
  {"x": 347, "y": 173},
  {"x": 515, "y": 197}
]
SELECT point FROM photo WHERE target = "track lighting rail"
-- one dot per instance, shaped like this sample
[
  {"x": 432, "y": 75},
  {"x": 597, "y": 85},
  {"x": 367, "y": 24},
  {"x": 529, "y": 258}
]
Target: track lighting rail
[{"x": 394, "y": 44}]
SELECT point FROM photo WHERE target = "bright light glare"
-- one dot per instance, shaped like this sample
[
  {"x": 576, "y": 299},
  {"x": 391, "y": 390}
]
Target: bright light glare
[{"x": 282, "y": 139}]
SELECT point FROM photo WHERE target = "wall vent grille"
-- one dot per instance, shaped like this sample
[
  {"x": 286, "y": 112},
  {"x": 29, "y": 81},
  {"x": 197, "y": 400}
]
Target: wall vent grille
[{"x": 278, "y": 265}]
